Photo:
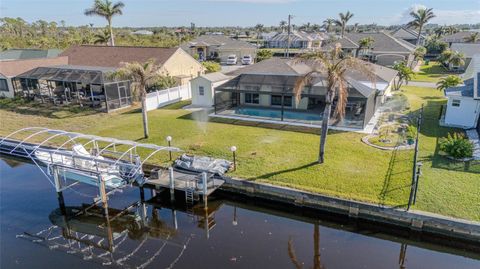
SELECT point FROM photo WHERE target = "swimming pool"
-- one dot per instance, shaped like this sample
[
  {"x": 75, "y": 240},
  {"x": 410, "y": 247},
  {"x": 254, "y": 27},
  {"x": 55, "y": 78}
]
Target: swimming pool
[{"x": 275, "y": 113}]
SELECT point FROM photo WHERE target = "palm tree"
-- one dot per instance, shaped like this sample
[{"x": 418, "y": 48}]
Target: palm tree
[
  {"x": 404, "y": 75},
  {"x": 106, "y": 9},
  {"x": 447, "y": 82},
  {"x": 457, "y": 59},
  {"x": 473, "y": 38},
  {"x": 365, "y": 44},
  {"x": 142, "y": 75},
  {"x": 282, "y": 25},
  {"x": 342, "y": 22},
  {"x": 328, "y": 23},
  {"x": 334, "y": 66},
  {"x": 317, "y": 264},
  {"x": 420, "y": 18},
  {"x": 259, "y": 29},
  {"x": 102, "y": 37}
]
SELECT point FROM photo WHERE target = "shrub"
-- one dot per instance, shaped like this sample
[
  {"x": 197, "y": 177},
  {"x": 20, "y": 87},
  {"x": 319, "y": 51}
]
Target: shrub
[
  {"x": 411, "y": 132},
  {"x": 264, "y": 54},
  {"x": 456, "y": 145},
  {"x": 211, "y": 66}
]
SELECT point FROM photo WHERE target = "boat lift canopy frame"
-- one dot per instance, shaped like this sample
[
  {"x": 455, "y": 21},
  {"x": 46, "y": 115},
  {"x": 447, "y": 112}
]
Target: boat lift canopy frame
[{"x": 133, "y": 165}]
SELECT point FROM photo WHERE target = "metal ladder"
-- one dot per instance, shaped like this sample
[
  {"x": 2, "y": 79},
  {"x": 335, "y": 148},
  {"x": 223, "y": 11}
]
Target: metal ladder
[{"x": 189, "y": 193}]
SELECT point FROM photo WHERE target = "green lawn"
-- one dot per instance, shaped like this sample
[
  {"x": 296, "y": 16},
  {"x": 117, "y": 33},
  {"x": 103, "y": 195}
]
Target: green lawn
[
  {"x": 287, "y": 156},
  {"x": 432, "y": 72}
]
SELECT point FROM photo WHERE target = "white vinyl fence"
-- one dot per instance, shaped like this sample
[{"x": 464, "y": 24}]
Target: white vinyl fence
[{"x": 165, "y": 97}]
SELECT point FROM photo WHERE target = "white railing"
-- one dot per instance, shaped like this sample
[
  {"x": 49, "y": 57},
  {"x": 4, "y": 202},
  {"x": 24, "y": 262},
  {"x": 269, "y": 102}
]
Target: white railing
[{"x": 165, "y": 97}]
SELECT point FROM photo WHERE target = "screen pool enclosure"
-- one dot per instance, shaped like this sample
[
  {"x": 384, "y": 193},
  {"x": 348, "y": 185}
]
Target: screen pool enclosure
[{"x": 83, "y": 85}]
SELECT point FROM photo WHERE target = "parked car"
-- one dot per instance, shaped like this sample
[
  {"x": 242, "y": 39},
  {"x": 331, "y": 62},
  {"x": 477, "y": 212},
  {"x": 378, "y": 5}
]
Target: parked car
[
  {"x": 247, "y": 59},
  {"x": 232, "y": 59}
]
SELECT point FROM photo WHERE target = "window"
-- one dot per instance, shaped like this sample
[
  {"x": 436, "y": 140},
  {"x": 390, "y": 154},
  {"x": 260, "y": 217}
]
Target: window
[
  {"x": 276, "y": 100},
  {"x": 201, "y": 91},
  {"x": 252, "y": 98},
  {"x": 3, "y": 85},
  {"x": 456, "y": 102}
]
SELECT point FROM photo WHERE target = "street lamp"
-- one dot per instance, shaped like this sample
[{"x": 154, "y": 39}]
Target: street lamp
[
  {"x": 169, "y": 140},
  {"x": 233, "y": 149}
]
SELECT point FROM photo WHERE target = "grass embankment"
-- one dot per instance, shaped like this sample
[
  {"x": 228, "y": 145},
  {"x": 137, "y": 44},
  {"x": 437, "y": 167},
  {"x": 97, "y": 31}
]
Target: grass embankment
[
  {"x": 287, "y": 157},
  {"x": 432, "y": 72}
]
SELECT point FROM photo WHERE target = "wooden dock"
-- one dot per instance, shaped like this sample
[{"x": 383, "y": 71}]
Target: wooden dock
[{"x": 182, "y": 181}]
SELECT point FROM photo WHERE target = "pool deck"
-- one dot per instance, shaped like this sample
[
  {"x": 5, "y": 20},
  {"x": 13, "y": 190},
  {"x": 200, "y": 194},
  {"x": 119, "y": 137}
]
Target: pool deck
[{"x": 370, "y": 127}]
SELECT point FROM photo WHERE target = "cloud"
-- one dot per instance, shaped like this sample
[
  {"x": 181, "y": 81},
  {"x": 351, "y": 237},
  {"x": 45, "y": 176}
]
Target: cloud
[
  {"x": 456, "y": 16},
  {"x": 442, "y": 16}
]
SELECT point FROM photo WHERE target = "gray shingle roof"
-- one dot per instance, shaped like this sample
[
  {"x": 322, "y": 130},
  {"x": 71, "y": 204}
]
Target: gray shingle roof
[
  {"x": 383, "y": 42},
  {"x": 297, "y": 36},
  {"x": 405, "y": 33},
  {"x": 22, "y": 54},
  {"x": 469, "y": 49},
  {"x": 215, "y": 77},
  {"x": 465, "y": 90},
  {"x": 220, "y": 41},
  {"x": 458, "y": 37}
]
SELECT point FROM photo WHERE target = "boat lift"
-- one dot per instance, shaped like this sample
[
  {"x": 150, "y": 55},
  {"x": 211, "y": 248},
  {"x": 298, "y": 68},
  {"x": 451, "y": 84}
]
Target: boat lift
[{"x": 109, "y": 164}]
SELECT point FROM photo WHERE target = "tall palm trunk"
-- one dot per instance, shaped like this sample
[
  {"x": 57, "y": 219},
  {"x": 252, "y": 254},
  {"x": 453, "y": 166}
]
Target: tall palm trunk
[
  {"x": 419, "y": 34},
  {"x": 144, "y": 113},
  {"x": 112, "y": 41},
  {"x": 343, "y": 29},
  {"x": 325, "y": 120}
]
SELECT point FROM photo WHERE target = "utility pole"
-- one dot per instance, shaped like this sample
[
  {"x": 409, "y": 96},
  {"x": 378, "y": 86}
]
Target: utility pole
[{"x": 288, "y": 36}]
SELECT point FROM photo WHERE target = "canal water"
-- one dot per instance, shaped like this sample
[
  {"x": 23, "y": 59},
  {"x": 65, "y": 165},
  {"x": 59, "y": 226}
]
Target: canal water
[{"x": 232, "y": 233}]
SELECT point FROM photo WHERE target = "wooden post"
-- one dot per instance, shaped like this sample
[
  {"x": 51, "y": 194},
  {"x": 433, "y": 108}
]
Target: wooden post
[
  {"x": 205, "y": 189},
  {"x": 103, "y": 194},
  {"x": 172, "y": 183}
]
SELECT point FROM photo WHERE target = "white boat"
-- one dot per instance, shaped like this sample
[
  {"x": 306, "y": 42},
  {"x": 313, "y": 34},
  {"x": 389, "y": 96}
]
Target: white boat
[{"x": 85, "y": 167}]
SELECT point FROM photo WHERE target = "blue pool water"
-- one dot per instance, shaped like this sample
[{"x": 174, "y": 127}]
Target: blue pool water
[{"x": 274, "y": 113}]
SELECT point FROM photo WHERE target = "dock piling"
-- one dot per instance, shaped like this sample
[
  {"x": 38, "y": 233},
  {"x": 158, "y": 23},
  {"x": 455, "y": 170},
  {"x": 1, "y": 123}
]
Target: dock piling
[{"x": 172, "y": 183}]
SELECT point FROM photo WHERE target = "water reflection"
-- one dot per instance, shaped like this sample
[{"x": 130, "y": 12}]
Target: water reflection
[
  {"x": 141, "y": 230},
  {"x": 94, "y": 233}
]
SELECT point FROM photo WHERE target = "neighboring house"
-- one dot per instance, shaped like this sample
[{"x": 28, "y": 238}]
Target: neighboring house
[
  {"x": 65, "y": 84},
  {"x": 386, "y": 50},
  {"x": 408, "y": 35},
  {"x": 202, "y": 88},
  {"x": 468, "y": 49},
  {"x": 463, "y": 105},
  {"x": 11, "y": 68},
  {"x": 298, "y": 40},
  {"x": 264, "y": 92},
  {"x": 218, "y": 47},
  {"x": 174, "y": 62},
  {"x": 23, "y": 54},
  {"x": 142, "y": 32},
  {"x": 459, "y": 37}
]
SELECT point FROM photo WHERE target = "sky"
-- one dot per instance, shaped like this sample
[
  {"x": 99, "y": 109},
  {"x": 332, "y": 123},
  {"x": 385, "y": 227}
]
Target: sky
[{"x": 144, "y": 13}]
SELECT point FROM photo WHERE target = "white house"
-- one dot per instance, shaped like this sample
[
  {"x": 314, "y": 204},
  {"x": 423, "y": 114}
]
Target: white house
[
  {"x": 463, "y": 106},
  {"x": 203, "y": 87}
]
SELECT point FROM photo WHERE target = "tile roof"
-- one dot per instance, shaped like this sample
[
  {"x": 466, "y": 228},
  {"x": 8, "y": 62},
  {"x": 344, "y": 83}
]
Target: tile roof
[{"x": 107, "y": 56}]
